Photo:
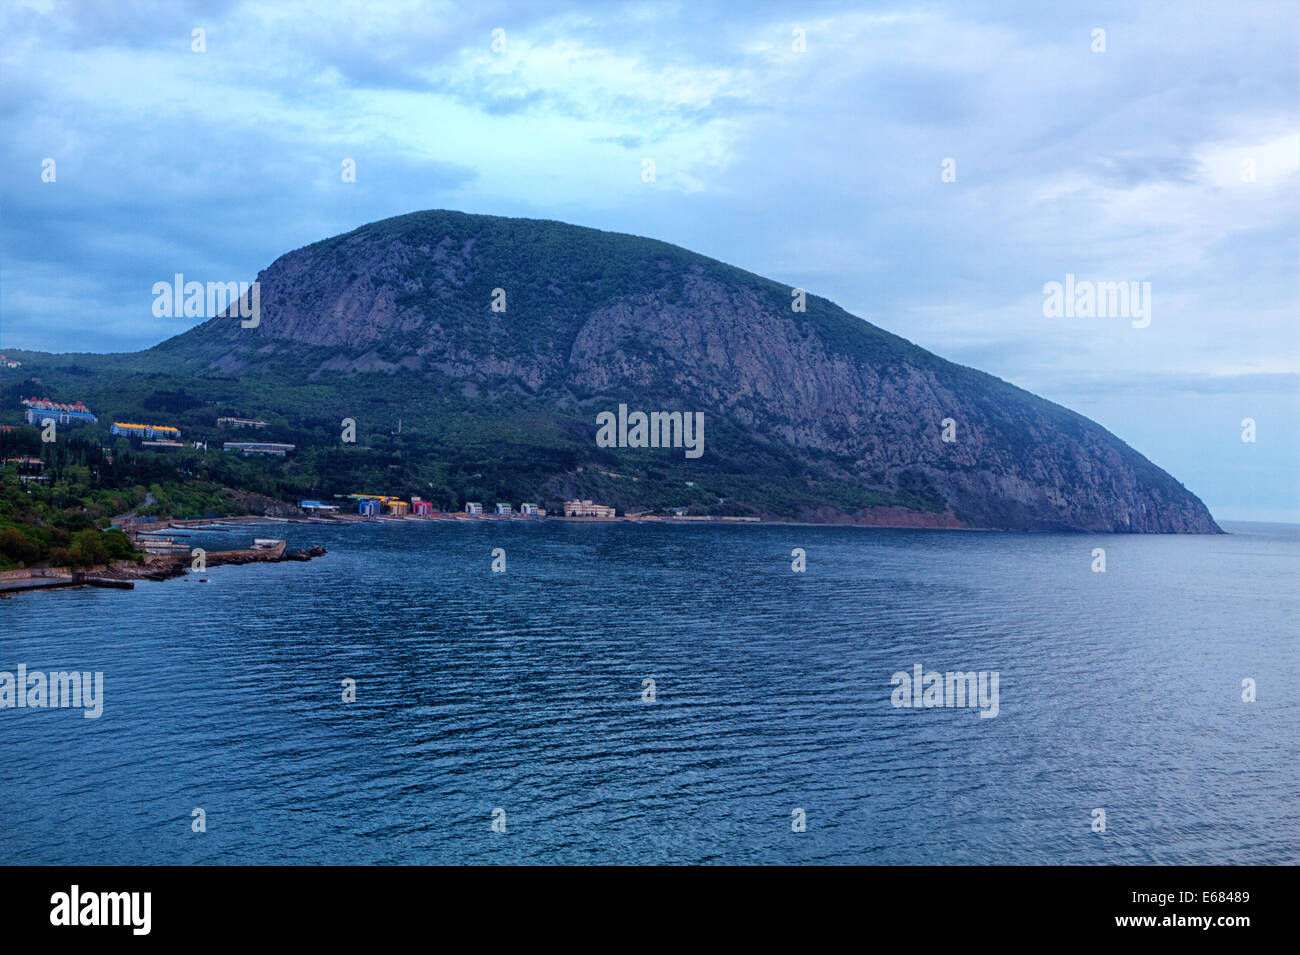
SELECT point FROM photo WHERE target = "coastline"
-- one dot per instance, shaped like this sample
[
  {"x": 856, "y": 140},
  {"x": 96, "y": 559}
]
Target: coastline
[{"x": 930, "y": 521}]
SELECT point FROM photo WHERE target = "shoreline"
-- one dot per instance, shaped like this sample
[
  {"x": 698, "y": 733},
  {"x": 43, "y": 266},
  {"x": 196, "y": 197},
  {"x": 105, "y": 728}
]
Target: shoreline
[{"x": 226, "y": 523}]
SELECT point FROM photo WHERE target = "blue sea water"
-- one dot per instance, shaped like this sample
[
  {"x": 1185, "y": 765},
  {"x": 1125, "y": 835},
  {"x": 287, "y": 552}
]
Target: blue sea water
[{"x": 522, "y": 691}]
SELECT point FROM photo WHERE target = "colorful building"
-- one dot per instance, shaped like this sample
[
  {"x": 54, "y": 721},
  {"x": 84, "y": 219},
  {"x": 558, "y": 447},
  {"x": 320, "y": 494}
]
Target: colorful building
[
  {"x": 421, "y": 508},
  {"x": 145, "y": 430},
  {"x": 378, "y": 503}
]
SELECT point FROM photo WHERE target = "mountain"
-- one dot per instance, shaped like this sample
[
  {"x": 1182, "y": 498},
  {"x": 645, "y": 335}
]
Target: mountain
[{"x": 812, "y": 415}]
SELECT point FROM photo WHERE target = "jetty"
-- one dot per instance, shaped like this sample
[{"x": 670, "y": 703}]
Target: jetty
[{"x": 49, "y": 578}]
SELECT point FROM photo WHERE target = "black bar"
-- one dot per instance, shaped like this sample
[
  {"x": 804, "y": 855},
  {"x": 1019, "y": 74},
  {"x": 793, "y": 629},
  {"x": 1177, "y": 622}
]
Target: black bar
[{"x": 336, "y": 904}]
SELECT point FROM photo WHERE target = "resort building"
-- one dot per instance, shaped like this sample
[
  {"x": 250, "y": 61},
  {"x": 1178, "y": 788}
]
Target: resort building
[
  {"x": 313, "y": 506},
  {"x": 149, "y": 431},
  {"x": 38, "y": 409},
  {"x": 398, "y": 508},
  {"x": 258, "y": 447},
  {"x": 587, "y": 509},
  {"x": 368, "y": 507},
  {"x": 421, "y": 508},
  {"x": 530, "y": 510},
  {"x": 240, "y": 423},
  {"x": 473, "y": 507},
  {"x": 505, "y": 510}
]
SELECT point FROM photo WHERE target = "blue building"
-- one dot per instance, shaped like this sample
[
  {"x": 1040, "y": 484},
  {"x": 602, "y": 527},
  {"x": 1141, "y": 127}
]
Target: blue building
[{"x": 38, "y": 409}]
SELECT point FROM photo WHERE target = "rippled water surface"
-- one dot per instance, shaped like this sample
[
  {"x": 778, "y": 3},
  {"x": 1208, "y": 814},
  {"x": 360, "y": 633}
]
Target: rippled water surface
[{"x": 523, "y": 691}]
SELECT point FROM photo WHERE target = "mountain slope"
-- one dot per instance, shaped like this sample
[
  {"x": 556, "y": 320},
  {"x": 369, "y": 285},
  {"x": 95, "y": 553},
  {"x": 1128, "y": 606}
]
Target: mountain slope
[{"x": 813, "y": 415}]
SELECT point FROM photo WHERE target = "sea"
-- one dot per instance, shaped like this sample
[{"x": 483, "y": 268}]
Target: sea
[{"x": 445, "y": 692}]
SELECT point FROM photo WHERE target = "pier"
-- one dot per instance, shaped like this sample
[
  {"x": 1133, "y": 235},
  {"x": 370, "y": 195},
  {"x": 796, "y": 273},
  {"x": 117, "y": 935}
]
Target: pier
[{"x": 50, "y": 578}]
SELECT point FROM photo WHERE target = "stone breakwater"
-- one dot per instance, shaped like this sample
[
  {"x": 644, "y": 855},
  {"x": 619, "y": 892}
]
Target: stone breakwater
[
  {"x": 167, "y": 566},
  {"x": 123, "y": 573}
]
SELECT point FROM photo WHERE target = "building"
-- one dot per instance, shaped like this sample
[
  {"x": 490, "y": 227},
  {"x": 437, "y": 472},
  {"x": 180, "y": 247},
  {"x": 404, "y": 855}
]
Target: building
[
  {"x": 163, "y": 443},
  {"x": 8, "y": 362},
  {"x": 29, "y": 469},
  {"x": 577, "y": 508},
  {"x": 149, "y": 431},
  {"x": 505, "y": 510},
  {"x": 240, "y": 423},
  {"x": 371, "y": 504},
  {"x": 421, "y": 508},
  {"x": 38, "y": 409},
  {"x": 258, "y": 447},
  {"x": 473, "y": 507},
  {"x": 530, "y": 510},
  {"x": 312, "y": 506}
]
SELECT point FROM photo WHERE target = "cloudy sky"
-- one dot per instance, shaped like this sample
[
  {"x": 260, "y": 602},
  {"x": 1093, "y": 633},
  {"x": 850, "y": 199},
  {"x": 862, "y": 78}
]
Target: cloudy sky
[{"x": 1171, "y": 158}]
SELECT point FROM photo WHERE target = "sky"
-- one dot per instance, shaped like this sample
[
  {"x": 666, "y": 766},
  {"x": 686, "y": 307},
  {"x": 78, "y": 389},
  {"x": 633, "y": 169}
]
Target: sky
[{"x": 929, "y": 167}]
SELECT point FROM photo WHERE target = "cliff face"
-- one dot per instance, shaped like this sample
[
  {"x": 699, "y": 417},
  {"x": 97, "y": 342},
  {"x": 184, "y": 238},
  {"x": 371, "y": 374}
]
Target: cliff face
[{"x": 810, "y": 401}]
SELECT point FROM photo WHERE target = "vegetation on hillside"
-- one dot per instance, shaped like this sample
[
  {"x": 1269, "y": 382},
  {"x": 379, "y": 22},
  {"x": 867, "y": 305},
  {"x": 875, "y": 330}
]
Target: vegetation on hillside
[{"x": 64, "y": 522}]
